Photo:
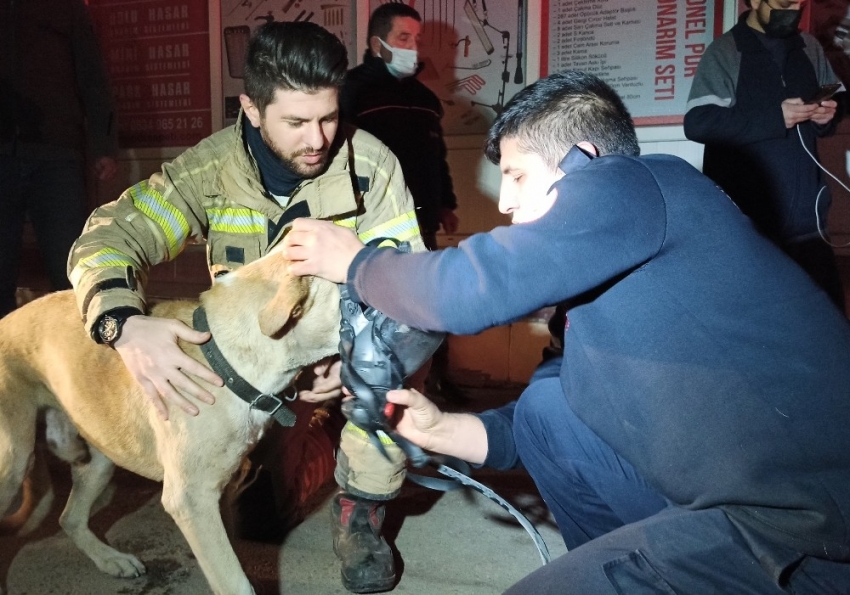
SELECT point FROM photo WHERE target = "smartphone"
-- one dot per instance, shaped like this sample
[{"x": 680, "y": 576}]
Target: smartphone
[{"x": 824, "y": 93}]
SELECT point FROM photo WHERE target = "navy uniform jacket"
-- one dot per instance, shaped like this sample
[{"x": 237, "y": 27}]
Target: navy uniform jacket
[{"x": 694, "y": 347}]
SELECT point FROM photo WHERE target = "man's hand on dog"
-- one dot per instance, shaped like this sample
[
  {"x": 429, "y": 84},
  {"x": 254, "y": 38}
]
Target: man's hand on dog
[
  {"x": 327, "y": 383},
  {"x": 321, "y": 248},
  {"x": 149, "y": 349}
]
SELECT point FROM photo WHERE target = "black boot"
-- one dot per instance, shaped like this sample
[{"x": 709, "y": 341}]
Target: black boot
[{"x": 367, "y": 560}]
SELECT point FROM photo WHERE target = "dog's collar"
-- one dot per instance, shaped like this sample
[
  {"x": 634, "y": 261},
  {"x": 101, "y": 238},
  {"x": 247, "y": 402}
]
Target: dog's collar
[{"x": 271, "y": 404}]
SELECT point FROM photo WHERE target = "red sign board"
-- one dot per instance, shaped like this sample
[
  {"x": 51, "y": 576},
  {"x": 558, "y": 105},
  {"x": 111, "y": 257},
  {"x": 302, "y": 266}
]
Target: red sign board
[{"x": 157, "y": 54}]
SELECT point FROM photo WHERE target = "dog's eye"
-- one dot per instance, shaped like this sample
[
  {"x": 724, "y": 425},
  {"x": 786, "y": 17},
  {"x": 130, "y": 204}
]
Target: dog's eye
[{"x": 296, "y": 312}]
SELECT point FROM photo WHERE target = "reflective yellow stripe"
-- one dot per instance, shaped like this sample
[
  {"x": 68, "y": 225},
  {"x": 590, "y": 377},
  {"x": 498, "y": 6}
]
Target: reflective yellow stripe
[
  {"x": 171, "y": 221},
  {"x": 108, "y": 257},
  {"x": 380, "y": 171},
  {"x": 403, "y": 228},
  {"x": 230, "y": 220},
  {"x": 360, "y": 433},
  {"x": 348, "y": 222}
]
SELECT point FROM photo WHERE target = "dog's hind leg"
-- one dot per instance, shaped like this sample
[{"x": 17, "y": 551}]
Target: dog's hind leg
[
  {"x": 37, "y": 497},
  {"x": 194, "y": 506},
  {"x": 37, "y": 493},
  {"x": 17, "y": 441},
  {"x": 88, "y": 481},
  {"x": 63, "y": 439}
]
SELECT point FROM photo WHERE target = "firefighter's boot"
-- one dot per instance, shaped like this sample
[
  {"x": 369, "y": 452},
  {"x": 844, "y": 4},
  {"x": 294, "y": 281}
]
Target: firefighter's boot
[{"x": 367, "y": 560}]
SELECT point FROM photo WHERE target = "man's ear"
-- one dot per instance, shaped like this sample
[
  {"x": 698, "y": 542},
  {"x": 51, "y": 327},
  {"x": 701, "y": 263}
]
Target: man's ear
[
  {"x": 375, "y": 45},
  {"x": 588, "y": 148},
  {"x": 250, "y": 110}
]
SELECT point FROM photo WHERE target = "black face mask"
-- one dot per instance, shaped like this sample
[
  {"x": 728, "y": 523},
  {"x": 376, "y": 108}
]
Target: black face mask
[{"x": 782, "y": 23}]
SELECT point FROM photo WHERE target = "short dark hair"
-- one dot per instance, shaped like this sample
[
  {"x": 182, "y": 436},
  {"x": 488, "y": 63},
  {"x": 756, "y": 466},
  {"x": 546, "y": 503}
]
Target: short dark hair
[
  {"x": 381, "y": 21},
  {"x": 559, "y": 111},
  {"x": 294, "y": 56}
]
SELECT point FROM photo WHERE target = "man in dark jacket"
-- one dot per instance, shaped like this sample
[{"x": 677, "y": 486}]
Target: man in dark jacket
[
  {"x": 695, "y": 438},
  {"x": 384, "y": 97},
  {"x": 55, "y": 112},
  {"x": 748, "y": 106}
]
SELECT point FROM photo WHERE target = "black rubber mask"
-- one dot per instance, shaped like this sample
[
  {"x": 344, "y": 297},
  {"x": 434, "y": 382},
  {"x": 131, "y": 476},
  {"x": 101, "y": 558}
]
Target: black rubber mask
[{"x": 377, "y": 354}]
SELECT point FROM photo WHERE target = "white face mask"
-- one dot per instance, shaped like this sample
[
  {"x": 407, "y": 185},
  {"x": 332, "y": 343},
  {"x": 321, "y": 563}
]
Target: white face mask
[{"x": 403, "y": 63}]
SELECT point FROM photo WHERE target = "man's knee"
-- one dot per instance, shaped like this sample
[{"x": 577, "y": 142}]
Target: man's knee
[{"x": 537, "y": 408}]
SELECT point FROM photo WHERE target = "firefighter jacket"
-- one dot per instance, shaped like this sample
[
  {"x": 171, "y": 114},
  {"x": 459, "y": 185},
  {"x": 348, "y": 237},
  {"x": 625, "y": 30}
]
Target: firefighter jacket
[{"x": 212, "y": 192}]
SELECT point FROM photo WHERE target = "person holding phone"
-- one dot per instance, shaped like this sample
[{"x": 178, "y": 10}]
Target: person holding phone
[
  {"x": 752, "y": 105},
  {"x": 824, "y": 93}
]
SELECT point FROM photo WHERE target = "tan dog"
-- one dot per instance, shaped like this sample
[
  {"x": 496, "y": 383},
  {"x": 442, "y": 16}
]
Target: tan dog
[{"x": 268, "y": 324}]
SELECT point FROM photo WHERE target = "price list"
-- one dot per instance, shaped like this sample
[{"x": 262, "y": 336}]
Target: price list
[
  {"x": 648, "y": 51},
  {"x": 157, "y": 55}
]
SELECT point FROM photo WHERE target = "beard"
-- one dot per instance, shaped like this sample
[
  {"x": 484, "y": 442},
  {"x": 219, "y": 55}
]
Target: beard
[{"x": 292, "y": 162}]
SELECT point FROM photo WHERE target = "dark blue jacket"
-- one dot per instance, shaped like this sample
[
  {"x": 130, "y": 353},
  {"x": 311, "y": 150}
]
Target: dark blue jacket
[
  {"x": 694, "y": 347},
  {"x": 734, "y": 108}
]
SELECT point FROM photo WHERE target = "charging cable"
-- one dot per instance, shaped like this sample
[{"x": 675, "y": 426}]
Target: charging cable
[{"x": 821, "y": 231}]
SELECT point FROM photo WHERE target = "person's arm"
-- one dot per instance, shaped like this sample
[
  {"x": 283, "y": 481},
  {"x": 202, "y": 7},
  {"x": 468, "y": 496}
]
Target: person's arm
[
  {"x": 107, "y": 267},
  {"x": 825, "y": 118},
  {"x": 608, "y": 219},
  {"x": 149, "y": 348},
  {"x": 326, "y": 382},
  {"x": 448, "y": 199},
  {"x": 388, "y": 209},
  {"x": 830, "y": 113},
  {"x": 713, "y": 116}
]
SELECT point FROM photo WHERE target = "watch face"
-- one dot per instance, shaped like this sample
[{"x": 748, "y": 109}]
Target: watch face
[{"x": 108, "y": 330}]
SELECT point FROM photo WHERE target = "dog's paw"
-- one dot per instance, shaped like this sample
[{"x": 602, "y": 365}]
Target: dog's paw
[{"x": 121, "y": 565}]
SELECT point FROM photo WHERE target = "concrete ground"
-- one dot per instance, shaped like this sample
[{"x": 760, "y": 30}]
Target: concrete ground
[{"x": 454, "y": 543}]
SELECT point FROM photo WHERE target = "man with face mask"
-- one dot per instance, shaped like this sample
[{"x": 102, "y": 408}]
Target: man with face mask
[
  {"x": 383, "y": 96},
  {"x": 748, "y": 105}
]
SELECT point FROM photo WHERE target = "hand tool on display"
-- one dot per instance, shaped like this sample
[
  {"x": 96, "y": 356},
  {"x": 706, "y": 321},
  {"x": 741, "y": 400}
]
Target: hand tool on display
[
  {"x": 478, "y": 27},
  {"x": 520, "y": 39}
]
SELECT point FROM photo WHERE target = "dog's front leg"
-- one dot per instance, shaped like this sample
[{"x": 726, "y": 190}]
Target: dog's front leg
[
  {"x": 194, "y": 506},
  {"x": 88, "y": 481}
]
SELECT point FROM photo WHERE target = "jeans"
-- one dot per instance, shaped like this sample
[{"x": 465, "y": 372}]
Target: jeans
[
  {"x": 52, "y": 195},
  {"x": 589, "y": 488}
]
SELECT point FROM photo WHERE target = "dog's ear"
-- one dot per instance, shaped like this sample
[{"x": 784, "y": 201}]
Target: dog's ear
[{"x": 285, "y": 305}]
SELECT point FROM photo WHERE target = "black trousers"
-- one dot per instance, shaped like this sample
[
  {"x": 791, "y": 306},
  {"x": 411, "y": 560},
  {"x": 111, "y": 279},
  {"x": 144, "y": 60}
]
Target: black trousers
[{"x": 52, "y": 195}]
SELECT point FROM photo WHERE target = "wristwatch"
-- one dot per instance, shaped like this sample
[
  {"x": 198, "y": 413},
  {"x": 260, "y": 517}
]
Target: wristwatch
[{"x": 110, "y": 324}]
